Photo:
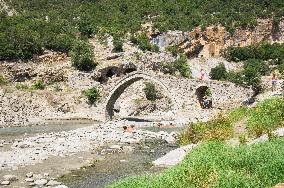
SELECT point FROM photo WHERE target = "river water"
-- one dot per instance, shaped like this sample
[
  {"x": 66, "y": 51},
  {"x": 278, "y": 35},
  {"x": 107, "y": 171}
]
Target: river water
[{"x": 118, "y": 166}]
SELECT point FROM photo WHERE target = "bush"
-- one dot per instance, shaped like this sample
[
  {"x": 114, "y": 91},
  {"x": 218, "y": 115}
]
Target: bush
[
  {"x": 266, "y": 117},
  {"x": 155, "y": 48},
  {"x": 92, "y": 94},
  {"x": 182, "y": 66},
  {"x": 3, "y": 80},
  {"x": 220, "y": 128},
  {"x": 133, "y": 39},
  {"x": 144, "y": 43},
  {"x": 38, "y": 85},
  {"x": 150, "y": 91},
  {"x": 82, "y": 56},
  {"x": 219, "y": 72},
  {"x": 218, "y": 165},
  {"x": 21, "y": 86},
  {"x": 117, "y": 45},
  {"x": 173, "y": 50}
]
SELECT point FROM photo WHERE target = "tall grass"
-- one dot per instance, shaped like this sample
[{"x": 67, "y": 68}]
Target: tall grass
[
  {"x": 266, "y": 117},
  {"x": 215, "y": 164},
  {"x": 220, "y": 128}
]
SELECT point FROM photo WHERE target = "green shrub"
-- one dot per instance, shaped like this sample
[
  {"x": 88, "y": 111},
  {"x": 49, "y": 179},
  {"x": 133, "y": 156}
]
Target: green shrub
[
  {"x": 155, "y": 48},
  {"x": 150, "y": 91},
  {"x": 218, "y": 165},
  {"x": 173, "y": 50},
  {"x": 21, "y": 86},
  {"x": 266, "y": 117},
  {"x": 92, "y": 94},
  {"x": 220, "y": 128},
  {"x": 133, "y": 39},
  {"x": 82, "y": 56},
  {"x": 39, "y": 84},
  {"x": 182, "y": 66},
  {"x": 144, "y": 43},
  {"x": 3, "y": 80},
  {"x": 117, "y": 45},
  {"x": 219, "y": 72}
]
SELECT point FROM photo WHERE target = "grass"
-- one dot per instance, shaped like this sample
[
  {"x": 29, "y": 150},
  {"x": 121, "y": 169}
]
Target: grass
[
  {"x": 220, "y": 128},
  {"x": 266, "y": 117},
  {"x": 215, "y": 164},
  {"x": 3, "y": 80}
]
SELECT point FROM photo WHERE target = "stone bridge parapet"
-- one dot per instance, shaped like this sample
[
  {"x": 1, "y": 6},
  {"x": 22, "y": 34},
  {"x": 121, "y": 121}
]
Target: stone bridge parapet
[{"x": 184, "y": 94}]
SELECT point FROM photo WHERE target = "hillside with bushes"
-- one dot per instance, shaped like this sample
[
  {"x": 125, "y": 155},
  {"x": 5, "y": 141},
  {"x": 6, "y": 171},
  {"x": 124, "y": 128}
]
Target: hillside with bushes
[{"x": 55, "y": 25}]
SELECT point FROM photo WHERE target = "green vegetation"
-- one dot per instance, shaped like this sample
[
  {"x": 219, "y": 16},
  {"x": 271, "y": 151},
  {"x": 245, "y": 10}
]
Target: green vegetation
[
  {"x": 257, "y": 59},
  {"x": 56, "y": 24},
  {"x": 38, "y": 85},
  {"x": 219, "y": 72},
  {"x": 262, "y": 51},
  {"x": 21, "y": 86},
  {"x": 143, "y": 43},
  {"x": 266, "y": 117},
  {"x": 215, "y": 164},
  {"x": 150, "y": 91},
  {"x": 3, "y": 80},
  {"x": 250, "y": 76},
  {"x": 82, "y": 56},
  {"x": 92, "y": 94},
  {"x": 173, "y": 50},
  {"x": 221, "y": 128},
  {"x": 117, "y": 45},
  {"x": 180, "y": 65}
]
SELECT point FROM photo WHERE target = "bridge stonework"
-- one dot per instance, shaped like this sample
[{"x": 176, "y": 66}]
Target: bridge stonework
[{"x": 182, "y": 93}]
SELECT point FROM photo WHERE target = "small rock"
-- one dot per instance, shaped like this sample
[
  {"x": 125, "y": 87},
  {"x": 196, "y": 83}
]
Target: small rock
[
  {"x": 5, "y": 183},
  {"x": 115, "y": 147},
  {"x": 38, "y": 176},
  {"x": 123, "y": 161},
  {"x": 1, "y": 145},
  {"x": 61, "y": 186},
  {"x": 46, "y": 174},
  {"x": 29, "y": 175},
  {"x": 29, "y": 179},
  {"x": 10, "y": 177},
  {"x": 41, "y": 182},
  {"x": 53, "y": 183}
]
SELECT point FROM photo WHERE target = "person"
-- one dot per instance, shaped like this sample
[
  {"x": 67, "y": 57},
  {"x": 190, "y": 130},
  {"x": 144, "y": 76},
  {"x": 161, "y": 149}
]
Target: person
[
  {"x": 171, "y": 125},
  {"x": 205, "y": 102},
  {"x": 124, "y": 128},
  {"x": 130, "y": 129},
  {"x": 274, "y": 81},
  {"x": 202, "y": 74}
]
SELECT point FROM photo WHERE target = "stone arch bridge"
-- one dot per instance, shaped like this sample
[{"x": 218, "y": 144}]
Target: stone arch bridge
[{"x": 183, "y": 94}]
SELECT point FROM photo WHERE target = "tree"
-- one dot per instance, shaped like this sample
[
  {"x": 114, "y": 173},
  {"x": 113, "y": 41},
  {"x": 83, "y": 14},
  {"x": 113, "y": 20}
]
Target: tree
[
  {"x": 219, "y": 72},
  {"x": 150, "y": 91},
  {"x": 82, "y": 56}
]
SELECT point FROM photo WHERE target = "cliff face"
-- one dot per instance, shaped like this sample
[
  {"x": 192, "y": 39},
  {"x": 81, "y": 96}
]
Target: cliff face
[{"x": 213, "y": 39}]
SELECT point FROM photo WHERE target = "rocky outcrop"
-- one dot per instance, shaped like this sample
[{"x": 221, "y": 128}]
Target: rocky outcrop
[{"x": 211, "y": 41}]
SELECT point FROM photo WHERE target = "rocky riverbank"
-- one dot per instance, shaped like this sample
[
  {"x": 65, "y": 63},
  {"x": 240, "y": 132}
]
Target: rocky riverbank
[{"x": 53, "y": 152}]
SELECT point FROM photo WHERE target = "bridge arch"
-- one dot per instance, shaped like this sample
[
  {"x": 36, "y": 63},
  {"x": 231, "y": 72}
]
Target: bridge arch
[{"x": 125, "y": 83}]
